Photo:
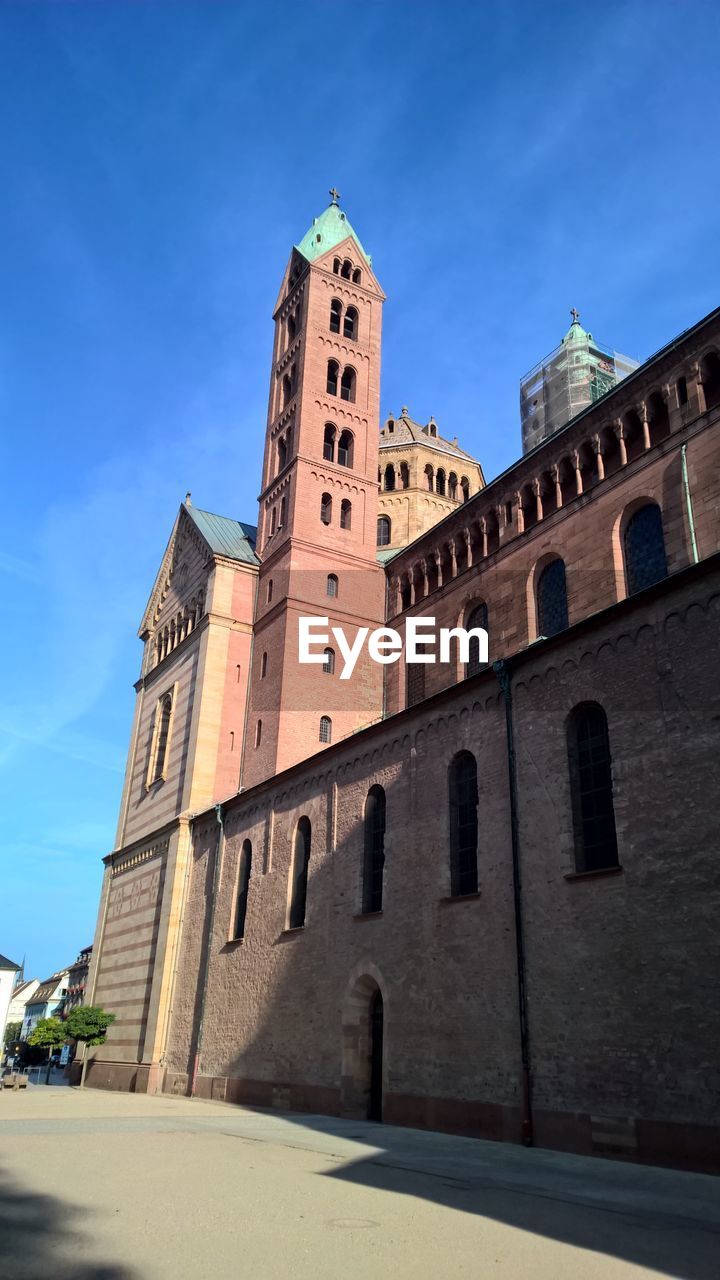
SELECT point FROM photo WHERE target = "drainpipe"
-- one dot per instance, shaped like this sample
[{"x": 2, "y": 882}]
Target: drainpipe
[
  {"x": 206, "y": 957},
  {"x": 502, "y": 672},
  {"x": 688, "y": 504}
]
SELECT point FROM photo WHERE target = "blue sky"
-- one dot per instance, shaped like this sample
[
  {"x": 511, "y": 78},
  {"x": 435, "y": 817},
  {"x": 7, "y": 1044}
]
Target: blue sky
[{"x": 501, "y": 161}]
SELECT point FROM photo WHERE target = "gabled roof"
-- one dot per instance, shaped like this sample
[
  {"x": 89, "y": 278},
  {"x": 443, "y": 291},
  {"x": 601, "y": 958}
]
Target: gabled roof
[
  {"x": 331, "y": 228},
  {"x": 405, "y": 431},
  {"x": 224, "y": 536},
  {"x": 8, "y": 964},
  {"x": 48, "y": 987},
  {"x": 21, "y": 987}
]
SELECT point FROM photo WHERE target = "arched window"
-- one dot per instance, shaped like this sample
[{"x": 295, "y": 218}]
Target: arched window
[
  {"x": 345, "y": 513},
  {"x": 333, "y": 371},
  {"x": 389, "y": 477},
  {"x": 345, "y": 449},
  {"x": 591, "y": 789},
  {"x": 440, "y": 481},
  {"x": 291, "y": 328},
  {"x": 478, "y": 617},
  {"x": 465, "y": 486},
  {"x": 452, "y": 486},
  {"x": 335, "y": 314},
  {"x": 383, "y": 531},
  {"x": 429, "y": 477},
  {"x": 682, "y": 394},
  {"x": 326, "y": 508},
  {"x": 329, "y": 662},
  {"x": 350, "y": 323},
  {"x": 551, "y": 595},
  {"x": 163, "y": 716},
  {"x": 357, "y": 276},
  {"x": 243, "y": 888},
  {"x": 644, "y": 549},
  {"x": 273, "y": 521},
  {"x": 263, "y": 666},
  {"x": 332, "y": 584},
  {"x": 336, "y": 266},
  {"x": 287, "y": 389},
  {"x": 347, "y": 385},
  {"x": 346, "y": 270},
  {"x": 329, "y": 443},
  {"x": 710, "y": 377},
  {"x": 658, "y": 418},
  {"x": 404, "y": 475},
  {"x": 325, "y": 734},
  {"x": 301, "y": 861},
  {"x": 258, "y": 733},
  {"x": 282, "y": 452},
  {"x": 374, "y": 859},
  {"x": 463, "y": 796}
]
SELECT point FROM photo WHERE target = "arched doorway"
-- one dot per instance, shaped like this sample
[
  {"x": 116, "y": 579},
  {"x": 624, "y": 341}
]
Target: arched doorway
[
  {"x": 363, "y": 1047},
  {"x": 376, "y": 1057}
]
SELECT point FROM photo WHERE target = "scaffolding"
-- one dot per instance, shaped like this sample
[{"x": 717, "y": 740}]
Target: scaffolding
[{"x": 574, "y": 375}]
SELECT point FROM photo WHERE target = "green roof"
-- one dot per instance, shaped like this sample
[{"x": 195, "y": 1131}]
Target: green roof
[
  {"x": 575, "y": 333},
  {"x": 226, "y": 537},
  {"x": 331, "y": 228}
]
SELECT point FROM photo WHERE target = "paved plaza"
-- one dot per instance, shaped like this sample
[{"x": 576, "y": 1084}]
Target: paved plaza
[{"x": 98, "y": 1186}]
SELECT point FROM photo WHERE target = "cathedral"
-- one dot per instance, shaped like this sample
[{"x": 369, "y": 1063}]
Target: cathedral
[{"x": 473, "y": 896}]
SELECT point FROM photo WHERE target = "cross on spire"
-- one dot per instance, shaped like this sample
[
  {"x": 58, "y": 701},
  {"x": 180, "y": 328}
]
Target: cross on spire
[
  {"x": 334, "y": 195},
  {"x": 575, "y": 314}
]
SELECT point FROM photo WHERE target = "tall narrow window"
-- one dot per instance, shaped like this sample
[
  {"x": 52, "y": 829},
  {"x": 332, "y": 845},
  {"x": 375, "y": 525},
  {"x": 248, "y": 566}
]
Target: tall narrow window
[
  {"x": 383, "y": 531},
  {"x": 374, "y": 859},
  {"x": 282, "y": 513},
  {"x": 350, "y": 323},
  {"x": 329, "y": 442},
  {"x": 291, "y": 328},
  {"x": 591, "y": 788},
  {"x": 440, "y": 481},
  {"x": 263, "y": 666},
  {"x": 162, "y": 734},
  {"x": 478, "y": 617},
  {"x": 345, "y": 449},
  {"x": 241, "y": 901},
  {"x": 710, "y": 378},
  {"x": 325, "y": 729},
  {"x": 404, "y": 475},
  {"x": 347, "y": 385},
  {"x": 552, "y": 605},
  {"x": 333, "y": 371},
  {"x": 682, "y": 391},
  {"x": 346, "y": 270},
  {"x": 452, "y": 485},
  {"x": 644, "y": 548},
  {"x": 326, "y": 508},
  {"x": 328, "y": 662},
  {"x": 463, "y": 824},
  {"x": 332, "y": 584},
  {"x": 389, "y": 478},
  {"x": 287, "y": 389},
  {"x": 335, "y": 314},
  {"x": 301, "y": 862},
  {"x": 281, "y": 452},
  {"x": 273, "y": 521},
  {"x": 336, "y": 266},
  {"x": 357, "y": 276},
  {"x": 345, "y": 513},
  {"x": 269, "y": 594},
  {"x": 258, "y": 733},
  {"x": 414, "y": 679}
]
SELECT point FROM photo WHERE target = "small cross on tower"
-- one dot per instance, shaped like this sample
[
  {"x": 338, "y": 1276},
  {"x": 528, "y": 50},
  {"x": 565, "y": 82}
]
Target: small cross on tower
[
  {"x": 334, "y": 195},
  {"x": 575, "y": 314}
]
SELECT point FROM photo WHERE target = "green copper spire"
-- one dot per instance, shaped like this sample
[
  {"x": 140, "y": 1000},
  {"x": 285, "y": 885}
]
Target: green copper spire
[
  {"x": 575, "y": 333},
  {"x": 331, "y": 228}
]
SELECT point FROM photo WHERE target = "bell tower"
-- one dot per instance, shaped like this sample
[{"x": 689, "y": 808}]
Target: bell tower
[{"x": 317, "y": 525}]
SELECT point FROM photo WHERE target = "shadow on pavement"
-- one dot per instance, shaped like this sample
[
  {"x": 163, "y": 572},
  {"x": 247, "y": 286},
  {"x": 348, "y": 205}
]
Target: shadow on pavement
[
  {"x": 40, "y": 1236},
  {"x": 642, "y": 1215}
]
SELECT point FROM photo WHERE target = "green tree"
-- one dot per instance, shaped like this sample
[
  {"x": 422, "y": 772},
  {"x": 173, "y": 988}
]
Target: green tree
[
  {"x": 48, "y": 1033},
  {"x": 88, "y": 1024},
  {"x": 12, "y": 1032}
]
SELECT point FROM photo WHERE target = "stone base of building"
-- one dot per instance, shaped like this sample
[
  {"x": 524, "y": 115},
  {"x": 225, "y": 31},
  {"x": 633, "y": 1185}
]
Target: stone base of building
[{"x": 691, "y": 1147}]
